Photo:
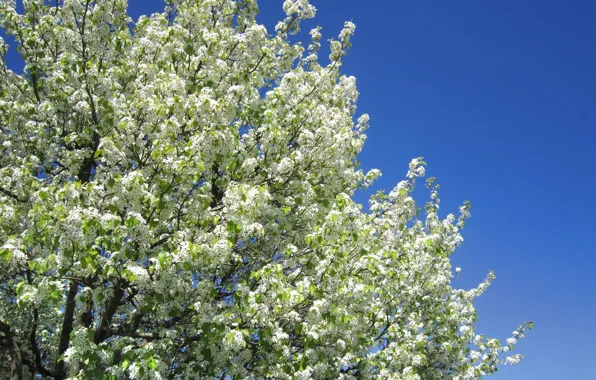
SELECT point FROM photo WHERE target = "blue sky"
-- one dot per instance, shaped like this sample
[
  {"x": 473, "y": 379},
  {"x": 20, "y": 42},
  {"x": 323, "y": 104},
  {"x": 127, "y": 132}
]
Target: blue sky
[{"x": 500, "y": 99}]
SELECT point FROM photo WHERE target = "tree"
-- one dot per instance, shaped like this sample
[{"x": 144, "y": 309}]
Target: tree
[{"x": 176, "y": 202}]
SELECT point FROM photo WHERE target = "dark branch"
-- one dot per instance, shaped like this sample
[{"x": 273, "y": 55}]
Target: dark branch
[
  {"x": 103, "y": 329},
  {"x": 35, "y": 348},
  {"x": 10, "y": 194},
  {"x": 160, "y": 242},
  {"x": 67, "y": 325}
]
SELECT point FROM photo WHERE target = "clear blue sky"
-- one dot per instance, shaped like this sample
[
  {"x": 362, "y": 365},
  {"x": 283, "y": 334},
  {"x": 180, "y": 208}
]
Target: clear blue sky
[{"x": 500, "y": 98}]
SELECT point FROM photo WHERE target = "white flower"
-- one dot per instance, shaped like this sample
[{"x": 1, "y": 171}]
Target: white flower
[
  {"x": 235, "y": 339},
  {"x": 417, "y": 360},
  {"x": 513, "y": 360}
]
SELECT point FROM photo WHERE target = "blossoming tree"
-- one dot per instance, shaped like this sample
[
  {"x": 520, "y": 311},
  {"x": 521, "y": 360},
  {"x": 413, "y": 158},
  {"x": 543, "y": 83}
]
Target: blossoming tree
[{"x": 176, "y": 202}]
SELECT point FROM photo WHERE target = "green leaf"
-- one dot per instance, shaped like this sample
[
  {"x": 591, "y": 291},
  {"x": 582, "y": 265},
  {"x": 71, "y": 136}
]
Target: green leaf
[
  {"x": 303, "y": 363},
  {"x": 5, "y": 254},
  {"x": 98, "y": 153},
  {"x": 152, "y": 364},
  {"x": 162, "y": 259},
  {"x": 233, "y": 227},
  {"x": 288, "y": 369},
  {"x": 130, "y": 254},
  {"x": 20, "y": 287},
  {"x": 131, "y": 222},
  {"x": 131, "y": 277}
]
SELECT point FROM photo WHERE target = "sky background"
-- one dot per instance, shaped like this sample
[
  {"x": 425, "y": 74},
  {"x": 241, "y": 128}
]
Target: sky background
[{"x": 500, "y": 99}]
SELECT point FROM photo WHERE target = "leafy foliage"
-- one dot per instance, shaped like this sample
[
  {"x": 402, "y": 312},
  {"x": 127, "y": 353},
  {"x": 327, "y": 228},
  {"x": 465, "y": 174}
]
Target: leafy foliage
[{"x": 176, "y": 202}]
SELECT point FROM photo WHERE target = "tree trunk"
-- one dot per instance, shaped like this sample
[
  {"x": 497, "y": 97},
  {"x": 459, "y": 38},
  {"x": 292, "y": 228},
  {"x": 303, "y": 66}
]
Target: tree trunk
[
  {"x": 16, "y": 362},
  {"x": 14, "y": 353}
]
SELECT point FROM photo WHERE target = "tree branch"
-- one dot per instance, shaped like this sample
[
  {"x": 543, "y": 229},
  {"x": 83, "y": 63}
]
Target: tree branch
[
  {"x": 10, "y": 194},
  {"x": 102, "y": 331},
  {"x": 160, "y": 242},
  {"x": 67, "y": 325},
  {"x": 35, "y": 347}
]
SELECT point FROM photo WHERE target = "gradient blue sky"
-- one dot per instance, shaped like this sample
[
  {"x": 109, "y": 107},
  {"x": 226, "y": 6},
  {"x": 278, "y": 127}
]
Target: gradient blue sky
[{"x": 500, "y": 99}]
